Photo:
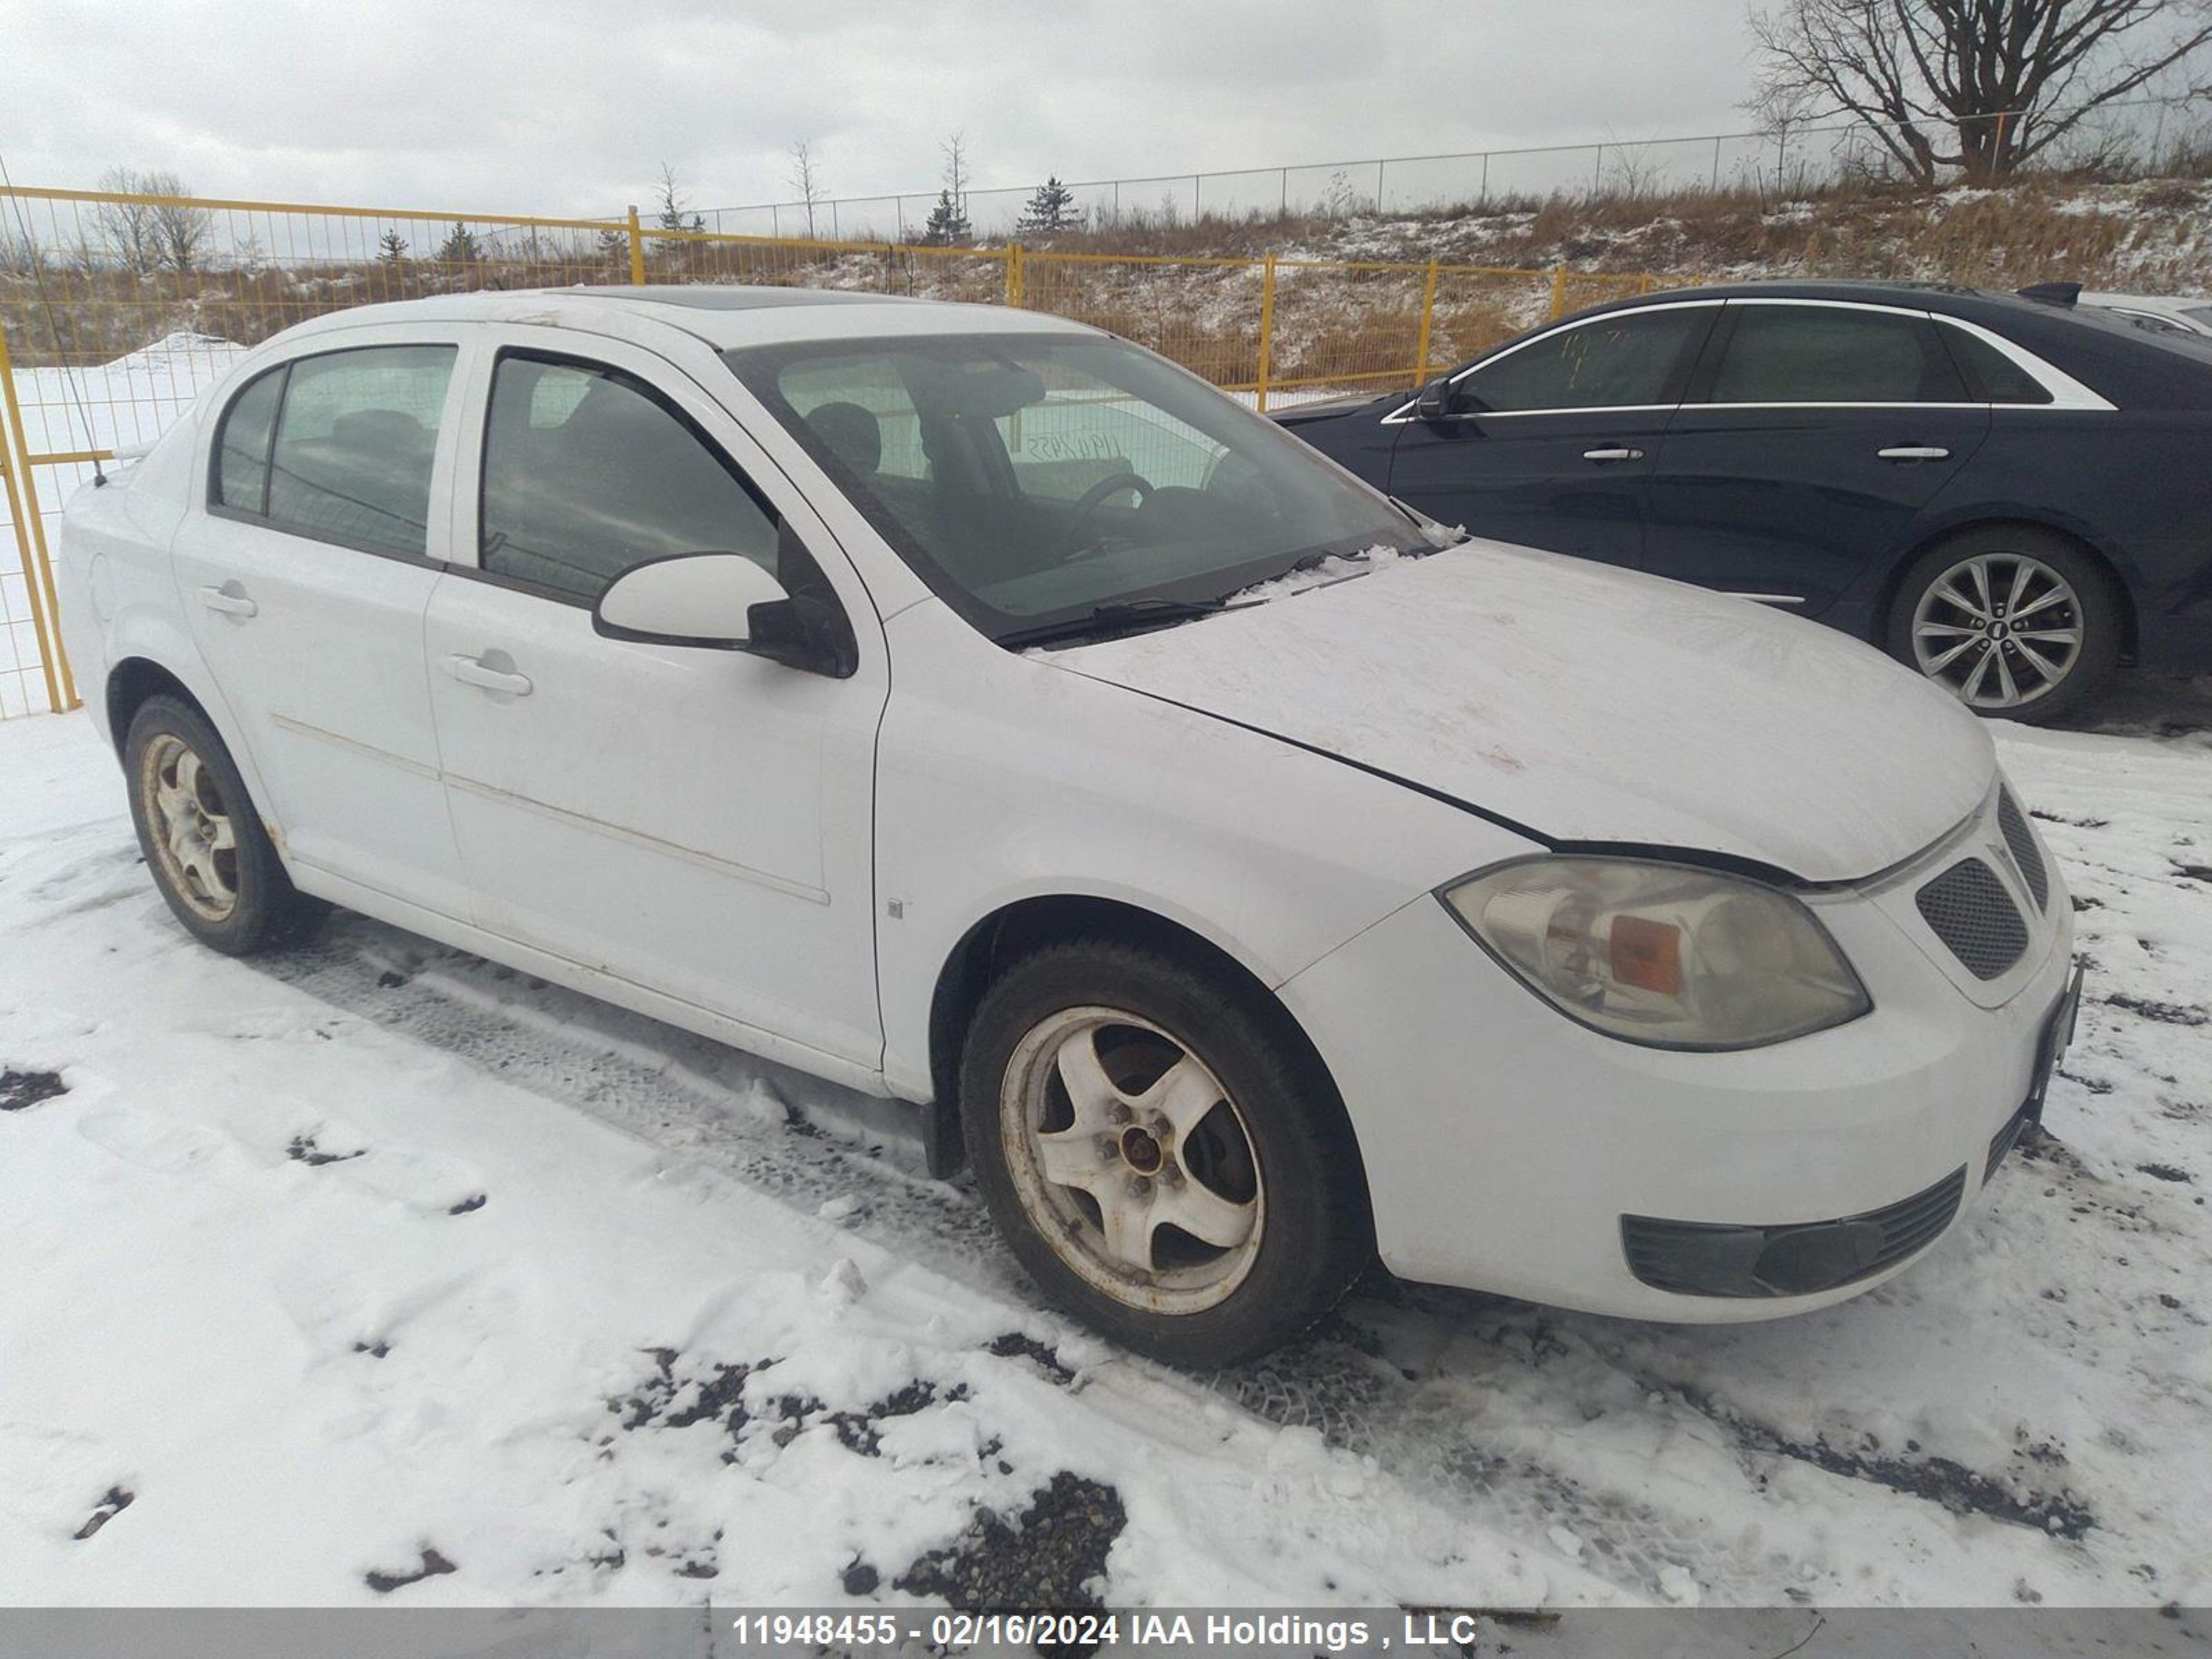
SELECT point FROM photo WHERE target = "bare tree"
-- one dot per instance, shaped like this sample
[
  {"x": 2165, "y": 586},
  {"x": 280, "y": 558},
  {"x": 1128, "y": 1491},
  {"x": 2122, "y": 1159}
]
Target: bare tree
[
  {"x": 806, "y": 179},
  {"x": 127, "y": 227},
  {"x": 955, "y": 173},
  {"x": 146, "y": 236},
  {"x": 181, "y": 231},
  {"x": 1984, "y": 85},
  {"x": 673, "y": 212}
]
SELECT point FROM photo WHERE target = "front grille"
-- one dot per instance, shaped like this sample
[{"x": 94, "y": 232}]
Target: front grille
[
  {"x": 2025, "y": 852},
  {"x": 1697, "y": 1258},
  {"x": 1971, "y": 912}
]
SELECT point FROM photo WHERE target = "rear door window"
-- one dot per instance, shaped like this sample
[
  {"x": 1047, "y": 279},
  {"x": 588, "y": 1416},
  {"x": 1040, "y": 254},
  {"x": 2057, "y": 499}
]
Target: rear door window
[
  {"x": 356, "y": 434},
  {"x": 241, "y": 452},
  {"x": 1780, "y": 354}
]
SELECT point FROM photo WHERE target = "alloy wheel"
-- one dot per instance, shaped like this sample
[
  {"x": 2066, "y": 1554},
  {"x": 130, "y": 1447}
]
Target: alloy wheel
[
  {"x": 193, "y": 838},
  {"x": 1999, "y": 630},
  {"x": 1131, "y": 1161}
]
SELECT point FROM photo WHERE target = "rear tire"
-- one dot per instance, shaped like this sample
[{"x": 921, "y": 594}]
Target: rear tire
[
  {"x": 1162, "y": 1151},
  {"x": 2016, "y": 623},
  {"x": 210, "y": 855}
]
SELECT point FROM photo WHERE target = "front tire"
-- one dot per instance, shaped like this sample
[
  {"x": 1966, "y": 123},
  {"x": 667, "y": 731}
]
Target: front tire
[
  {"x": 210, "y": 855},
  {"x": 2016, "y": 623},
  {"x": 1163, "y": 1154}
]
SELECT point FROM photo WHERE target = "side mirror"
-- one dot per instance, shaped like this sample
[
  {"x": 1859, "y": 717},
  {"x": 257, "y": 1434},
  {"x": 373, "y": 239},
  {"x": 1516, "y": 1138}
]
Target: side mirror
[
  {"x": 1436, "y": 400},
  {"x": 704, "y": 599}
]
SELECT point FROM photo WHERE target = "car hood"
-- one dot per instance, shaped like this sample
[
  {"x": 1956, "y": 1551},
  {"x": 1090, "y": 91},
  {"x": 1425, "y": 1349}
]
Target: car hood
[
  {"x": 1589, "y": 705},
  {"x": 1327, "y": 409}
]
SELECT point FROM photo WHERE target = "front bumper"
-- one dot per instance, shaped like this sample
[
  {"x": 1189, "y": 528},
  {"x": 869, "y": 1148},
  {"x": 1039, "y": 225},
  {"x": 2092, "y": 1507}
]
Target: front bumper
[{"x": 1510, "y": 1150}]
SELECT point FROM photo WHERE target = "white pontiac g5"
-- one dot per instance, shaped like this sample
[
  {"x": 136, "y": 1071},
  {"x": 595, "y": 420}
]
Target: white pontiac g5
[{"x": 1248, "y": 876}]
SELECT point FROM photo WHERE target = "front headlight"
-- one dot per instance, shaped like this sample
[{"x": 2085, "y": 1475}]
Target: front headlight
[{"x": 1662, "y": 954}]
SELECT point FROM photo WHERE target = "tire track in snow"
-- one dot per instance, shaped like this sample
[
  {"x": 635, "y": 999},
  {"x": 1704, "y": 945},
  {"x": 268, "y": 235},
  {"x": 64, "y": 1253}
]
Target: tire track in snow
[{"x": 804, "y": 1141}]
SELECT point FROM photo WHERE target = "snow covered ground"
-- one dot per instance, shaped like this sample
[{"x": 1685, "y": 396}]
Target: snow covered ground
[{"x": 379, "y": 1274}]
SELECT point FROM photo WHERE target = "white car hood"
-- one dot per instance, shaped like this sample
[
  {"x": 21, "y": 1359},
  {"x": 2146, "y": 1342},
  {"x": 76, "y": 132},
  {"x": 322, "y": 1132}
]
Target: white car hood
[{"x": 1588, "y": 704}]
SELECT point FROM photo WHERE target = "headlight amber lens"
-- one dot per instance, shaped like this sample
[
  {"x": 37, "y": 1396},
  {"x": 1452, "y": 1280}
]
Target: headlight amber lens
[{"x": 1662, "y": 954}]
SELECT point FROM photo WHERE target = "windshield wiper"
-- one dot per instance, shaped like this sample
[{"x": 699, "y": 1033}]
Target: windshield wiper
[{"x": 1117, "y": 617}]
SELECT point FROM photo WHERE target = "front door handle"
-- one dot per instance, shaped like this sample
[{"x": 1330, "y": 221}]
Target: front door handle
[
  {"x": 472, "y": 671},
  {"x": 230, "y": 599},
  {"x": 1914, "y": 453},
  {"x": 1613, "y": 454}
]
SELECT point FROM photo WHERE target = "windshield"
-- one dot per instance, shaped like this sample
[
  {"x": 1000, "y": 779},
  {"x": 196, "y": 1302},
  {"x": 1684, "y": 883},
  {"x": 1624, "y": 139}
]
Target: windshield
[{"x": 1033, "y": 479}]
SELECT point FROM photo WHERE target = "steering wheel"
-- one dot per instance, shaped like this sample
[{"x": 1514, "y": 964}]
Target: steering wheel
[{"x": 1094, "y": 498}]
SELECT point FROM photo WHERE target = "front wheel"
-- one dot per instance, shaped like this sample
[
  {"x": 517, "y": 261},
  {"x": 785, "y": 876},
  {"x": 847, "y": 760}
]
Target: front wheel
[
  {"x": 2015, "y": 622},
  {"x": 1165, "y": 1158}
]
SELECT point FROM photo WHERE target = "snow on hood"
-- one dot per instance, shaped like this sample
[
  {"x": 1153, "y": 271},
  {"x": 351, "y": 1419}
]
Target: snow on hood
[{"x": 1588, "y": 704}]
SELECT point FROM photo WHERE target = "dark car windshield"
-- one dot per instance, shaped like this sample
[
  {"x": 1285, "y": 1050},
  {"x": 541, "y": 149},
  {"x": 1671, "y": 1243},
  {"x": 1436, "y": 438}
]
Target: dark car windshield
[{"x": 1033, "y": 479}]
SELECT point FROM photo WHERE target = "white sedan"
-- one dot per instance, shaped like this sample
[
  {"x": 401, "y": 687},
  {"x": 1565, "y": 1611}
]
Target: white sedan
[{"x": 1250, "y": 877}]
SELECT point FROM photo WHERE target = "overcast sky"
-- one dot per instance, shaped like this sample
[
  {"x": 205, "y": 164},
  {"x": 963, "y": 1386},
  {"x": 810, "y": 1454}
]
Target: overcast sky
[{"x": 560, "y": 107}]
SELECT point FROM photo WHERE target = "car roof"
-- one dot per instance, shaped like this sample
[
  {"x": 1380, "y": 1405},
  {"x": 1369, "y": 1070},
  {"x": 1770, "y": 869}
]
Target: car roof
[
  {"x": 726, "y": 316},
  {"x": 1950, "y": 299}
]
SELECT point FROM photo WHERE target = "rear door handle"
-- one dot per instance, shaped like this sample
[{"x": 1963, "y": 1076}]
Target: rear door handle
[
  {"x": 1914, "y": 453},
  {"x": 230, "y": 600},
  {"x": 471, "y": 671},
  {"x": 1613, "y": 454}
]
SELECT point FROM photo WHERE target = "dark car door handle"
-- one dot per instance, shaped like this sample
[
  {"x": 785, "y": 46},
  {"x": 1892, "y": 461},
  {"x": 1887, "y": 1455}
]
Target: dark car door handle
[
  {"x": 1914, "y": 453},
  {"x": 1613, "y": 454}
]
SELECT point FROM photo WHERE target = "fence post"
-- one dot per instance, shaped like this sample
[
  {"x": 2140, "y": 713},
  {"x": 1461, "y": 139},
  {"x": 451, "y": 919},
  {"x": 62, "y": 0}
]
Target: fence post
[
  {"x": 1428, "y": 314},
  {"x": 1267, "y": 326},
  {"x": 637, "y": 252},
  {"x": 1558, "y": 291},
  {"x": 1014, "y": 275},
  {"x": 31, "y": 540}
]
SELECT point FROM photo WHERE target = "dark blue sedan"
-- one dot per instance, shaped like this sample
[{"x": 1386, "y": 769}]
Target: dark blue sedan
[{"x": 2009, "y": 494}]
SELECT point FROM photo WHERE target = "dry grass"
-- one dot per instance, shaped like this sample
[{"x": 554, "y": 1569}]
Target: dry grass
[{"x": 1360, "y": 328}]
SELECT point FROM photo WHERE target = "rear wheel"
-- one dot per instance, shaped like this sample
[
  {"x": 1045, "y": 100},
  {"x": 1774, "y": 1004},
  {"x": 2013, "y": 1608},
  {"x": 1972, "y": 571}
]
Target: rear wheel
[
  {"x": 1164, "y": 1159},
  {"x": 2014, "y": 622},
  {"x": 211, "y": 856}
]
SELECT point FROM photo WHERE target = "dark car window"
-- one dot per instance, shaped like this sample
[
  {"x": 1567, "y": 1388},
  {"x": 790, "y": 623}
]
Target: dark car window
[
  {"x": 1619, "y": 361},
  {"x": 356, "y": 432},
  {"x": 587, "y": 472},
  {"x": 1833, "y": 354},
  {"x": 1992, "y": 377},
  {"x": 241, "y": 450}
]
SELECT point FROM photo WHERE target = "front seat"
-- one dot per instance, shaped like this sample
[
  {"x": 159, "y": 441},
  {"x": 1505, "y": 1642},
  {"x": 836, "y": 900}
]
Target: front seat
[{"x": 852, "y": 434}]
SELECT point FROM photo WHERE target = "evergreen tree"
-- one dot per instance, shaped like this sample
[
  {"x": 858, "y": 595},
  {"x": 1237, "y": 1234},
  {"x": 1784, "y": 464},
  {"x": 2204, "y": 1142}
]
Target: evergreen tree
[
  {"x": 392, "y": 248},
  {"x": 461, "y": 248},
  {"x": 947, "y": 223},
  {"x": 1051, "y": 208},
  {"x": 614, "y": 246}
]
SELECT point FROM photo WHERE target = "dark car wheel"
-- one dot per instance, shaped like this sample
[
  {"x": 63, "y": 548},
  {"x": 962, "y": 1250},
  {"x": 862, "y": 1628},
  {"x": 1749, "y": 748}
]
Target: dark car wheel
[
  {"x": 2014, "y": 622},
  {"x": 211, "y": 856},
  {"x": 1163, "y": 1157}
]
